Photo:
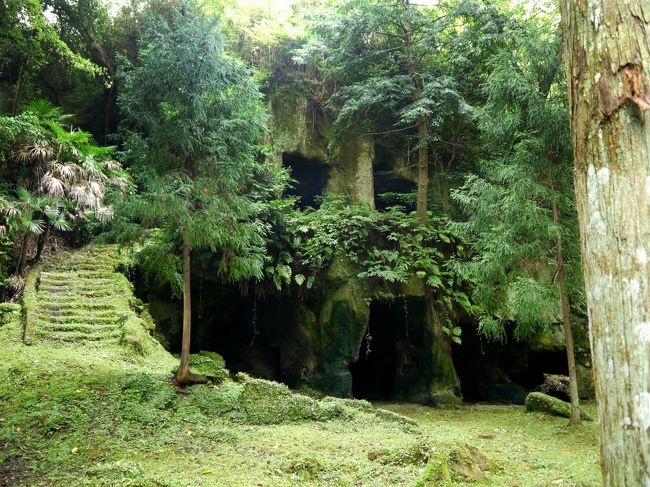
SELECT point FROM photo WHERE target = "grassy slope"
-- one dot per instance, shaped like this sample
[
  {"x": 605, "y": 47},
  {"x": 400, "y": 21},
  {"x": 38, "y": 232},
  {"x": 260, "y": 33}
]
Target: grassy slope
[
  {"x": 78, "y": 417},
  {"x": 100, "y": 414}
]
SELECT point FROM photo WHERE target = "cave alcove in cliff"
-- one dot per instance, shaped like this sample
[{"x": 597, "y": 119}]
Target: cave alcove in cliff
[
  {"x": 259, "y": 336},
  {"x": 393, "y": 349},
  {"x": 501, "y": 373},
  {"x": 391, "y": 190},
  {"x": 310, "y": 177}
]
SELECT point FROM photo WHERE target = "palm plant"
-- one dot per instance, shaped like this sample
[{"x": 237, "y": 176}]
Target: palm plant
[{"x": 63, "y": 180}]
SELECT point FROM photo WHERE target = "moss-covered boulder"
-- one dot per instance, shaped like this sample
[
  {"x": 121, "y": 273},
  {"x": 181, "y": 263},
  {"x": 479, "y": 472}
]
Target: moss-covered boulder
[
  {"x": 267, "y": 402},
  {"x": 454, "y": 465},
  {"x": 543, "y": 403},
  {"x": 209, "y": 364}
]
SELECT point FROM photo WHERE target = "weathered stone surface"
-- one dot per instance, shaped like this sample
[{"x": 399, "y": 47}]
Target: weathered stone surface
[
  {"x": 294, "y": 127},
  {"x": 543, "y": 403},
  {"x": 556, "y": 385},
  {"x": 342, "y": 323},
  {"x": 353, "y": 170}
]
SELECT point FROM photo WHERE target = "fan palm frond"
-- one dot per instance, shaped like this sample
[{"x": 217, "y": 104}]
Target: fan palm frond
[
  {"x": 35, "y": 226},
  {"x": 53, "y": 185},
  {"x": 104, "y": 213}
]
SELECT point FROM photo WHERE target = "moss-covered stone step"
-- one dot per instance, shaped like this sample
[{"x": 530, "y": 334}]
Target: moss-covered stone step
[
  {"x": 79, "y": 298},
  {"x": 54, "y": 310},
  {"x": 84, "y": 327},
  {"x": 64, "y": 317},
  {"x": 59, "y": 305},
  {"x": 73, "y": 279},
  {"x": 82, "y": 337},
  {"x": 62, "y": 320},
  {"x": 87, "y": 274}
]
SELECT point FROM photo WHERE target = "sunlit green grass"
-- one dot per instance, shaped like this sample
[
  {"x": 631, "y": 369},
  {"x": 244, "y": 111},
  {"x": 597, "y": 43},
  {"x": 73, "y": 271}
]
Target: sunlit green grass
[{"x": 74, "y": 416}]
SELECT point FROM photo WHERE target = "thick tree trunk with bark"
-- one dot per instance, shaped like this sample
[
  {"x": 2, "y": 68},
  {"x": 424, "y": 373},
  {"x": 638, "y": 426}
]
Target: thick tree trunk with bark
[{"x": 607, "y": 45}]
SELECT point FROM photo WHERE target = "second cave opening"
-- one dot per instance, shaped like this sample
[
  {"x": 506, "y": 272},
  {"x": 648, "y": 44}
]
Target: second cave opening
[
  {"x": 392, "y": 348},
  {"x": 310, "y": 176}
]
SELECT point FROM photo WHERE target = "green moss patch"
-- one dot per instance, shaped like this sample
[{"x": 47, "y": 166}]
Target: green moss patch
[
  {"x": 543, "y": 403},
  {"x": 454, "y": 465}
]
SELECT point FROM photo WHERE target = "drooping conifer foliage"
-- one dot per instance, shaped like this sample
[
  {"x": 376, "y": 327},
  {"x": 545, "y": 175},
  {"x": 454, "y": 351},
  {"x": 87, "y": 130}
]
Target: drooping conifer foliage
[
  {"x": 521, "y": 221},
  {"x": 192, "y": 120}
]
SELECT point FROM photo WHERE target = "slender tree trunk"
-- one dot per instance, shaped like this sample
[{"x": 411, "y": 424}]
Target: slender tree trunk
[
  {"x": 422, "y": 121},
  {"x": 184, "y": 369},
  {"x": 20, "y": 266},
  {"x": 566, "y": 323},
  {"x": 18, "y": 86},
  {"x": 423, "y": 169},
  {"x": 607, "y": 44},
  {"x": 444, "y": 186},
  {"x": 184, "y": 376},
  {"x": 42, "y": 240}
]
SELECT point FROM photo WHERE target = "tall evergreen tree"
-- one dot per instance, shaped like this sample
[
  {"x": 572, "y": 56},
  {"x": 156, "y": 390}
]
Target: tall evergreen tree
[
  {"x": 521, "y": 222},
  {"x": 192, "y": 119}
]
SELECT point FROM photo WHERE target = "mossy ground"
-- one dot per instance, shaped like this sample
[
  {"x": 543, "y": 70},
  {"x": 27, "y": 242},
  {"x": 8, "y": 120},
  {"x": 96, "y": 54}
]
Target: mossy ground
[
  {"x": 531, "y": 449},
  {"x": 105, "y": 414},
  {"x": 71, "y": 416}
]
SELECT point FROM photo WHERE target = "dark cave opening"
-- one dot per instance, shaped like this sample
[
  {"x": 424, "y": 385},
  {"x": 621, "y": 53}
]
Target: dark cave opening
[
  {"x": 391, "y": 351},
  {"x": 501, "y": 373},
  {"x": 310, "y": 176},
  {"x": 392, "y": 190},
  {"x": 261, "y": 337},
  {"x": 540, "y": 363}
]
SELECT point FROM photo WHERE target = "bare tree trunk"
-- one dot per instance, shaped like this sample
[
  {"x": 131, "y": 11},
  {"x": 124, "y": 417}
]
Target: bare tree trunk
[
  {"x": 184, "y": 369},
  {"x": 423, "y": 169},
  {"x": 42, "y": 240},
  {"x": 20, "y": 266},
  {"x": 443, "y": 186},
  {"x": 607, "y": 44},
  {"x": 184, "y": 376},
  {"x": 18, "y": 86},
  {"x": 566, "y": 324},
  {"x": 422, "y": 122}
]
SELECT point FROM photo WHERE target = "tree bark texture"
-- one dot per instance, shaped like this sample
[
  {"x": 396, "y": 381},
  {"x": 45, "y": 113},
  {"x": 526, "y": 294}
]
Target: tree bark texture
[
  {"x": 14, "y": 109},
  {"x": 607, "y": 45}
]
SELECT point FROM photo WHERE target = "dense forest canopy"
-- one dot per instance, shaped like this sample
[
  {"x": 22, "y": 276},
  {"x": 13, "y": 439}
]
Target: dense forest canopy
[
  {"x": 337, "y": 156},
  {"x": 437, "y": 152},
  {"x": 472, "y": 91}
]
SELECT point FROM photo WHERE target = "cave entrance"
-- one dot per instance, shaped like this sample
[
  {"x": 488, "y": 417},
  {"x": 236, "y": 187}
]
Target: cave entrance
[
  {"x": 310, "y": 176},
  {"x": 264, "y": 337},
  {"x": 501, "y": 373},
  {"x": 392, "y": 190},
  {"x": 390, "y": 352},
  {"x": 540, "y": 363}
]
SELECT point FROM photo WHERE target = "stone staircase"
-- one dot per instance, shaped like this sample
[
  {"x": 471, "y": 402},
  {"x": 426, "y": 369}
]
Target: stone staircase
[{"x": 79, "y": 297}]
